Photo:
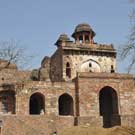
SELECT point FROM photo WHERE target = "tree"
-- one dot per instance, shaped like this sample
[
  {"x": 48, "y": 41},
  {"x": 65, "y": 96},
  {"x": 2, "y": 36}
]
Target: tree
[
  {"x": 128, "y": 50},
  {"x": 12, "y": 52}
]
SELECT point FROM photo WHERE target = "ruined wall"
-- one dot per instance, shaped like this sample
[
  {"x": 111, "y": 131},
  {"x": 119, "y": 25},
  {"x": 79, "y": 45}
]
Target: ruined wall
[
  {"x": 7, "y": 65},
  {"x": 56, "y": 66},
  {"x": 14, "y": 76},
  {"x": 44, "y": 71},
  {"x": 10, "y": 79}
]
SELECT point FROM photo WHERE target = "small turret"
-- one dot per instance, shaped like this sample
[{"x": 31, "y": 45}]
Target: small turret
[{"x": 62, "y": 38}]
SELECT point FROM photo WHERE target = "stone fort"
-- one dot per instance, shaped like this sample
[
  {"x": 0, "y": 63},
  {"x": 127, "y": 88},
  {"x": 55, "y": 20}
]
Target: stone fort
[{"x": 77, "y": 85}]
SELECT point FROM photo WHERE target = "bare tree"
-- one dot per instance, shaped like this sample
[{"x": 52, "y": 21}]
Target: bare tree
[
  {"x": 12, "y": 52},
  {"x": 128, "y": 50}
]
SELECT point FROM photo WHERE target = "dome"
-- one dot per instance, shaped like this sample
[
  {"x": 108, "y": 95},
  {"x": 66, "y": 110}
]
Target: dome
[
  {"x": 84, "y": 27},
  {"x": 62, "y": 37}
]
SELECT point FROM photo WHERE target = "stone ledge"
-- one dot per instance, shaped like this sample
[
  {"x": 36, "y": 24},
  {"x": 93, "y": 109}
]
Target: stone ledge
[{"x": 104, "y": 75}]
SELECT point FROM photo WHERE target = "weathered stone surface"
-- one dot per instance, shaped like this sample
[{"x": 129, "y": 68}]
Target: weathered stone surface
[{"x": 35, "y": 75}]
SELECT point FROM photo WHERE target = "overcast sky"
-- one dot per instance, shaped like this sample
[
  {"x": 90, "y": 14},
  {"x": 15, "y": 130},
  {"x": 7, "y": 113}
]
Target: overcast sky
[{"x": 38, "y": 23}]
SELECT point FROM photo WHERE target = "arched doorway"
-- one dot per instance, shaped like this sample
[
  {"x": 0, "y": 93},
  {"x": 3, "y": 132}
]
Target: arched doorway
[
  {"x": 7, "y": 102},
  {"x": 37, "y": 103},
  {"x": 108, "y": 103},
  {"x": 66, "y": 105}
]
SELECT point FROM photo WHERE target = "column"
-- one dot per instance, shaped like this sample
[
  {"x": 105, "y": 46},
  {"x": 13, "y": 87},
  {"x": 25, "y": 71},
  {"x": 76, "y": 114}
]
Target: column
[
  {"x": 83, "y": 38},
  {"x": 77, "y": 39}
]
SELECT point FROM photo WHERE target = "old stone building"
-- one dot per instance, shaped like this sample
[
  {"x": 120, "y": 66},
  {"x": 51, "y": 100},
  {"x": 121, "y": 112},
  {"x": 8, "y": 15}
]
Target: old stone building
[{"x": 77, "y": 85}]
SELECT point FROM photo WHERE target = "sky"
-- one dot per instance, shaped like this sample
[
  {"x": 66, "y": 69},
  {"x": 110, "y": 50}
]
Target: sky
[{"x": 37, "y": 24}]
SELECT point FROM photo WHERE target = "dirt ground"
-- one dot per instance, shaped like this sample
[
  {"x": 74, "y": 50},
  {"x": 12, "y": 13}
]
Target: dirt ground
[{"x": 87, "y": 130}]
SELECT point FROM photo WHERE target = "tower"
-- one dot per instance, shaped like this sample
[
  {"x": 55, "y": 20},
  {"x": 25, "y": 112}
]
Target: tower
[{"x": 81, "y": 55}]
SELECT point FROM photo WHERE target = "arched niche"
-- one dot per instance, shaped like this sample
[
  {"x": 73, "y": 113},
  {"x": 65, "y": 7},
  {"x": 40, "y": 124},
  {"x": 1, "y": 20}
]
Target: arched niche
[
  {"x": 65, "y": 105},
  {"x": 7, "y": 102},
  {"x": 68, "y": 70},
  {"x": 37, "y": 104},
  {"x": 90, "y": 66}
]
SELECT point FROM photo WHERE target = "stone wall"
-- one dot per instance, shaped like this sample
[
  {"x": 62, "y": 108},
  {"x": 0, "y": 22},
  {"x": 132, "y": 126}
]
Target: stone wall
[
  {"x": 46, "y": 125},
  {"x": 84, "y": 90},
  {"x": 87, "y": 120},
  {"x": 44, "y": 71},
  {"x": 77, "y": 61},
  {"x": 34, "y": 125},
  {"x": 51, "y": 92},
  {"x": 91, "y": 84},
  {"x": 128, "y": 120}
]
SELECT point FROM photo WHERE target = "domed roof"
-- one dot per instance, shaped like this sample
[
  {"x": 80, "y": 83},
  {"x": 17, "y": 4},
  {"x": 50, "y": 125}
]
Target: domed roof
[
  {"x": 83, "y": 27},
  {"x": 62, "y": 37}
]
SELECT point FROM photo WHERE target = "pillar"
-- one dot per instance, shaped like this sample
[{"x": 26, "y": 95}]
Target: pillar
[{"x": 83, "y": 38}]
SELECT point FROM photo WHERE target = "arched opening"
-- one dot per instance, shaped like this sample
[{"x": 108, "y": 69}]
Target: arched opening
[
  {"x": 108, "y": 101},
  {"x": 81, "y": 39},
  {"x": 7, "y": 102},
  {"x": 37, "y": 104},
  {"x": 87, "y": 40},
  {"x": 66, "y": 105},
  {"x": 112, "y": 69},
  {"x": 90, "y": 64},
  {"x": 68, "y": 70}
]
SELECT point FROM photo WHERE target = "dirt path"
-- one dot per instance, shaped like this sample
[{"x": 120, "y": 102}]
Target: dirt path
[{"x": 86, "y": 130}]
